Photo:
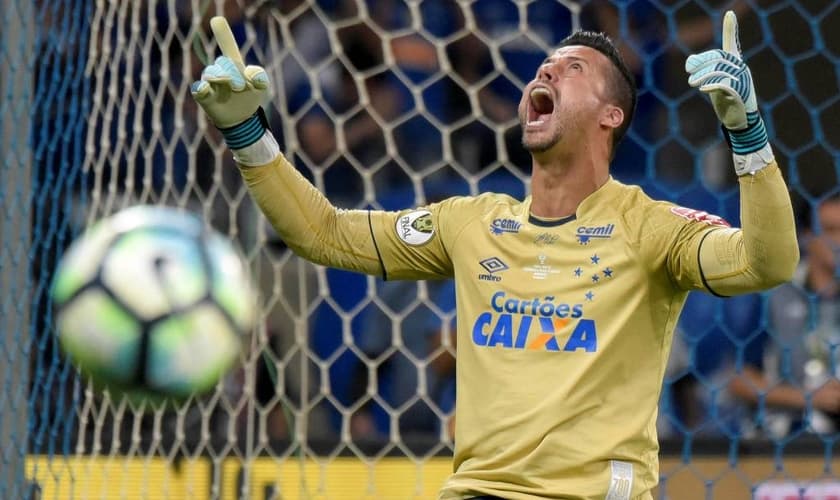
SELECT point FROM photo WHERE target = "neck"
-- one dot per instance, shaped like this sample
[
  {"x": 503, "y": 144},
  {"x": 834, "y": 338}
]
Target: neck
[{"x": 561, "y": 183}]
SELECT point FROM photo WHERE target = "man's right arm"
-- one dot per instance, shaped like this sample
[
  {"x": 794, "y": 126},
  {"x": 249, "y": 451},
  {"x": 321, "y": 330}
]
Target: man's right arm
[
  {"x": 306, "y": 221},
  {"x": 392, "y": 245},
  {"x": 231, "y": 94}
]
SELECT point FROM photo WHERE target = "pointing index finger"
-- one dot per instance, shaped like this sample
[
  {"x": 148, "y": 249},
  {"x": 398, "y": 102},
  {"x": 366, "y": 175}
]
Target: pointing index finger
[
  {"x": 730, "y": 34},
  {"x": 227, "y": 43}
]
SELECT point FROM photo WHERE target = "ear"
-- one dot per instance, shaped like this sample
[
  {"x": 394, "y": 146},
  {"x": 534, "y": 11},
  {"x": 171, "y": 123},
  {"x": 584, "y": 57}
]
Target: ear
[{"x": 612, "y": 117}]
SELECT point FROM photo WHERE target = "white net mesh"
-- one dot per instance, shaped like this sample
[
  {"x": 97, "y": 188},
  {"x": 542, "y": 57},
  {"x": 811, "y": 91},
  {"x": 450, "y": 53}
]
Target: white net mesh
[
  {"x": 347, "y": 388},
  {"x": 381, "y": 105}
]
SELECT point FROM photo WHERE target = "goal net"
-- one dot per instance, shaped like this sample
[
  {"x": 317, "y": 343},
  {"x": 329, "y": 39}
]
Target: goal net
[{"x": 346, "y": 389}]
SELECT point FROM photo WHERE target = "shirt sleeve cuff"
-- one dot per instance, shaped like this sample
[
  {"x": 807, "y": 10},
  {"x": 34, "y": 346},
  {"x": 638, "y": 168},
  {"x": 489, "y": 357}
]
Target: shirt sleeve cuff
[{"x": 262, "y": 152}]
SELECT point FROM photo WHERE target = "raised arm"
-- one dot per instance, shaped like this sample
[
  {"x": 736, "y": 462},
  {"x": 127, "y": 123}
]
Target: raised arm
[
  {"x": 386, "y": 244},
  {"x": 764, "y": 252},
  {"x": 231, "y": 94}
]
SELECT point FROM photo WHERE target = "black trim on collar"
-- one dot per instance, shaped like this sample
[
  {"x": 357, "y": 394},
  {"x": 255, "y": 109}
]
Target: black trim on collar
[{"x": 550, "y": 223}]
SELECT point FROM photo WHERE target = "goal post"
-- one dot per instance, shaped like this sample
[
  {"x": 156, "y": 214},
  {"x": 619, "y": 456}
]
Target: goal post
[
  {"x": 346, "y": 389},
  {"x": 16, "y": 51}
]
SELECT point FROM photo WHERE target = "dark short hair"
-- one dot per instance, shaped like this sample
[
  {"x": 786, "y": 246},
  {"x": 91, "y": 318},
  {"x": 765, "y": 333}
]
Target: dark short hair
[{"x": 621, "y": 83}]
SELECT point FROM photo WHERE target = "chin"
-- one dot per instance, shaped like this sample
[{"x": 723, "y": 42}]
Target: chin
[
  {"x": 539, "y": 145},
  {"x": 536, "y": 148},
  {"x": 543, "y": 139}
]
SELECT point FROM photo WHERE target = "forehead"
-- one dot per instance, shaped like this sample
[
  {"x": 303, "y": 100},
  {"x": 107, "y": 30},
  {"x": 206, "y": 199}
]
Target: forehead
[{"x": 578, "y": 52}]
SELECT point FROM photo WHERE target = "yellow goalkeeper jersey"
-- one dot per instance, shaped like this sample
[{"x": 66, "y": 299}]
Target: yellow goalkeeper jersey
[
  {"x": 564, "y": 329},
  {"x": 564, "y": 326}
]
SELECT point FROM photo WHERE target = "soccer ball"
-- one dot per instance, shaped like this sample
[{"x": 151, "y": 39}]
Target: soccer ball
[{"x": 150, "y": 303}]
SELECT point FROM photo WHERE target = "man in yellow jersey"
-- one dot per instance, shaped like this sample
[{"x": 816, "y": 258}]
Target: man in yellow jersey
[{"x": 566, "y": 300}]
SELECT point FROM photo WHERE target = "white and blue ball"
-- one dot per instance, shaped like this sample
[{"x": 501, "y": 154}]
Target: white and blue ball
[{"x": 151, "y": 302}]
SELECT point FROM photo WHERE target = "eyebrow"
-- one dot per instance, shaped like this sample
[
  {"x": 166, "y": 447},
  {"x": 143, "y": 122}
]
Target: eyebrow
[{"x": 576, "y": 58}]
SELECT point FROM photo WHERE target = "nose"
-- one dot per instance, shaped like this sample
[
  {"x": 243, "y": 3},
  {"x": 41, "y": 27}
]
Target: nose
[{"x": 547, "y": 72}]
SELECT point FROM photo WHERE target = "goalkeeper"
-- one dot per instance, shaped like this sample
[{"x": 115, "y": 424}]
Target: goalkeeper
[{"x": 566, "y": 300}]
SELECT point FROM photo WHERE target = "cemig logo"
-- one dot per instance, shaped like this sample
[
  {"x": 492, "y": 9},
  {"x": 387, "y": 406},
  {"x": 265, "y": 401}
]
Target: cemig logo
[
  {"x": 586, "y": 233},
  {"x": 499, "y": 226},
  {"x": 534, "y": 324}
]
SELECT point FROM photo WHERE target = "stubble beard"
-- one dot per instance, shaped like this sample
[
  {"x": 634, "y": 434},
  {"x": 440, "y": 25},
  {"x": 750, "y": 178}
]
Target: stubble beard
[{"x": 543, "y": 144}]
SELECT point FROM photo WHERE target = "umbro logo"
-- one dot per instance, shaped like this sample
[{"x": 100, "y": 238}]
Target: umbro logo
[{"x": 492, "y": 265}]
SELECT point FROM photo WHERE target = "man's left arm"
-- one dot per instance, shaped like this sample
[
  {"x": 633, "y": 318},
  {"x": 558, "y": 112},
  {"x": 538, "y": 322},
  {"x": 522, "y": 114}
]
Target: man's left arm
[{"x": 764, "y": 252}]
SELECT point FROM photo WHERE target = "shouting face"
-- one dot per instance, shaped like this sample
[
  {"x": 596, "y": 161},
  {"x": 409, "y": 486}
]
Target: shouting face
[{"x": 565, "y": 97}]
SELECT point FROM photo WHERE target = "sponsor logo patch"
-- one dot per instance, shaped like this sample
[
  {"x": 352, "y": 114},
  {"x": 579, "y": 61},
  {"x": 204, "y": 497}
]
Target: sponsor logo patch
[
  {"x": 699, "y": 216},
  {"x": 586, "y": 233},
  {"x": 534, "y": 324},
  {"x": 415, "y": 228},
  {"x": 499, "y": 226}
]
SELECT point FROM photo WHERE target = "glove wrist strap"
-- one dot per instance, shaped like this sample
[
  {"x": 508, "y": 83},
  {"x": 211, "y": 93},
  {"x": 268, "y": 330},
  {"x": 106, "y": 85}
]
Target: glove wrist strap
[
  {"x": 750, "y": 147},
  {"x": 246, "y": 133},
  {"x": 750, "y": 139}
]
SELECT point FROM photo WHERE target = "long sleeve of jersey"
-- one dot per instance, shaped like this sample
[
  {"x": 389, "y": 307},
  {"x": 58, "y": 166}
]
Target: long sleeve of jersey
[
  {"x": 761, "y": 254},
  {"x": 765, "y": 251},
  {"x": 308, "y": 223},
  {"x": 393, "y": 245}
]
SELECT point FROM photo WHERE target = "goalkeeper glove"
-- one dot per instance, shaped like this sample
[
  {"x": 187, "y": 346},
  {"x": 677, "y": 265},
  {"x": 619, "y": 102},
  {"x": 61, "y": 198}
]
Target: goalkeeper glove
[
  {"x": 231, "y": 93},
  {"x": 723, "y": 75}
]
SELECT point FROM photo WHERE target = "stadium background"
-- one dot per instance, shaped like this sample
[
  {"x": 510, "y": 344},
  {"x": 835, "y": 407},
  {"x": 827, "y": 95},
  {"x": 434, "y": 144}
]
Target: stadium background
[{"x": 346, "y": 391}]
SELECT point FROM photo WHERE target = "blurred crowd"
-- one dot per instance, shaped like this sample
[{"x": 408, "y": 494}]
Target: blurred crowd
[{"x": 382, "y": 115}]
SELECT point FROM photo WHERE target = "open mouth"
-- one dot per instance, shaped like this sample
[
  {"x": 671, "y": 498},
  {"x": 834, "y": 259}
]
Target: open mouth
[{"x": 542, "y": 105}]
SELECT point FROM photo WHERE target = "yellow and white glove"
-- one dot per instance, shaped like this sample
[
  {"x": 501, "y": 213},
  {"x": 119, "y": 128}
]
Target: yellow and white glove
[
  {"x": 723, "y": 75},
  {"x": 231, "y": 93}
]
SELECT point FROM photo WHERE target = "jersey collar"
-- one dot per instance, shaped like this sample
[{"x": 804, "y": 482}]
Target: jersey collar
[
  {"x": 537, "y": 221},
  {"x": 601, "y": 195}
]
